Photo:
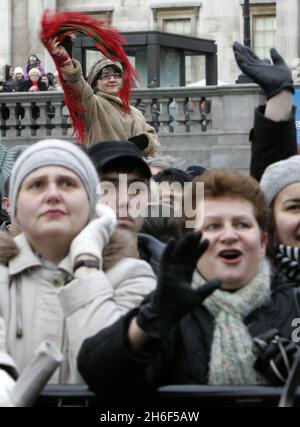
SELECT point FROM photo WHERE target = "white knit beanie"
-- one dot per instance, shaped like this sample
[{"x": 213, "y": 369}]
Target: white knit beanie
[
  {"x": 55, "y": 152},
  {"x": 18, "y": 70},
  {"x": 279, "y": 175}
]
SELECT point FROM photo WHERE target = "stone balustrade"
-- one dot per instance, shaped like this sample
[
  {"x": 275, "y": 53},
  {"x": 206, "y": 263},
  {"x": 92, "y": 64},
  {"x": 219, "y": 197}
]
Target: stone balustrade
[{"x": 193, "y": 123}]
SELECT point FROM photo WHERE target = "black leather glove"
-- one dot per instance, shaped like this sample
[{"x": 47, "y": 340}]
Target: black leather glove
[
  {"x": 140, "y": 141},
  {"x": 275, "y": 356},
  {"x": 174, "y": 297},
  {"x": 272, "y": 78},
  {"x": 152, "y": 248}
]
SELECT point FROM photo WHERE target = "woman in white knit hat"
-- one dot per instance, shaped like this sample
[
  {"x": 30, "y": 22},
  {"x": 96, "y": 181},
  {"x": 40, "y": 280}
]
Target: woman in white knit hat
[
  {"x": 19, "y": 77},
  {"x": 56, "y": 283}
]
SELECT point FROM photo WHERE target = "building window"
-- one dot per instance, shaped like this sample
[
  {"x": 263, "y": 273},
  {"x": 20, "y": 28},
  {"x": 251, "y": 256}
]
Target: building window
[
  {"x": 179, "y": 20},
  {"x": 177, "y": 26},
  {"x": 263, "y": 19},
  {"x": 264, "y": 32}
]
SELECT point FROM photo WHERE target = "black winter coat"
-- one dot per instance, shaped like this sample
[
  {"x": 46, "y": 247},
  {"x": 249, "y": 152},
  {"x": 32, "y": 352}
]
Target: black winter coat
[
  {"x": 271, "y": 141},
  {"x": 112, "y": 370},
  {"x": 27, "y": 84}
]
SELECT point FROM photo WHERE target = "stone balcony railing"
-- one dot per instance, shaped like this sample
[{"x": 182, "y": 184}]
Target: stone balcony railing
[{"x": 204, "y": 124}]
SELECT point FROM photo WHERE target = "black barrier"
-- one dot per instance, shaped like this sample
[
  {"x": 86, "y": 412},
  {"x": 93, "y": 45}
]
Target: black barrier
[{"x": 181, "y": 397}]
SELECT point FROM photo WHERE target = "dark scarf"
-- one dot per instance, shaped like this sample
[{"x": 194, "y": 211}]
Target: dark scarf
[
  {"x": 288, "y": 258},
  {"x": 3, "y": 216}
]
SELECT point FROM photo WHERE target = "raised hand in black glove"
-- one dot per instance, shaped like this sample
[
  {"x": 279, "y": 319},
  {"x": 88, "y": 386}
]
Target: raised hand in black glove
[
  {"x": 174, "y": 297},
  {"x": 275, "y": 356},
  {"x": 272, "y": 78}
]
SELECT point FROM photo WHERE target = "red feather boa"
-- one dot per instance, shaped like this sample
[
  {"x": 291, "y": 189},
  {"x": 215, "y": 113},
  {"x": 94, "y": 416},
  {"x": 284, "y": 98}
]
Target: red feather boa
[{"x": 107, "y": 39}]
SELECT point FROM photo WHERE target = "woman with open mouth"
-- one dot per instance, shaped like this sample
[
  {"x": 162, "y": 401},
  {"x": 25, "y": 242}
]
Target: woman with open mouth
[
  {"x": 274, "y": 160},
  {"x": 213, "y": 318}
]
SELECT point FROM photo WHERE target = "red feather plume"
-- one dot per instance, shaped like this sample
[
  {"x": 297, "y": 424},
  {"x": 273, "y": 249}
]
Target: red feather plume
[{"x": 107, "y": 40}]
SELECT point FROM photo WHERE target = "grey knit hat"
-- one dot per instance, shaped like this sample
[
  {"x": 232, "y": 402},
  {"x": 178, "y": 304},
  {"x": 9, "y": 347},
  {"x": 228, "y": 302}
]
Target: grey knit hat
[
  {"x": 7, "y": 160},
  {"x": 55, "y": 152},
  {"x": 279, "y": 175}
]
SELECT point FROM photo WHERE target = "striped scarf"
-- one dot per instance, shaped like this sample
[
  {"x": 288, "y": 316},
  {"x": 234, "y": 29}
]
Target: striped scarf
[
  {"x": 232, "y": 352},
  {"x": 288, "y": 258}
]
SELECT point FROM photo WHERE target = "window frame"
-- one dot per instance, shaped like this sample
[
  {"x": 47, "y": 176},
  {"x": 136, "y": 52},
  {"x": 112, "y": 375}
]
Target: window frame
[
  {"x": 261, "y": 10},
  {"x": 161, "y": 14}
]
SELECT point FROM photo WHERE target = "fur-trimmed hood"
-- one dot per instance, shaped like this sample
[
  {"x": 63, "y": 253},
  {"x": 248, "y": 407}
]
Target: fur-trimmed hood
[
  {"x": 39, "y": 304},
  {"x": 121, "y": 245}
]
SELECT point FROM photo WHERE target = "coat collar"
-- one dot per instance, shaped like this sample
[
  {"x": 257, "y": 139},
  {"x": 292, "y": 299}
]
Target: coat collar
[
  {"x": 112, "y": 98},
  {"x": 26, "y": 258}
]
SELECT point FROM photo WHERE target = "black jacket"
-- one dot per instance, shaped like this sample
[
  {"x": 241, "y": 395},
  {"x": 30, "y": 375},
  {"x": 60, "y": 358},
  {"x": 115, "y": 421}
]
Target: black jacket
[
  {"x": 112, "y": 370},
  {"x": 27, "y": 84},
  {"x": 13, "y": 85},
  {"x": 271, "y": 141},
  {"x": 4, "y": 217}
]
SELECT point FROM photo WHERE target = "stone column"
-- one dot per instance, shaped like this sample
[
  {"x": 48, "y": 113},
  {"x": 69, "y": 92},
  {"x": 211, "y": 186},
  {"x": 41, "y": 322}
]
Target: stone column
[
  {"x": 48, "y": 62},
  {"x": 34, "y": 14},
  {"x": 5, "y": 25},
  {"x": 19, "y": 33},
  {"x": 287, "y": 38}
]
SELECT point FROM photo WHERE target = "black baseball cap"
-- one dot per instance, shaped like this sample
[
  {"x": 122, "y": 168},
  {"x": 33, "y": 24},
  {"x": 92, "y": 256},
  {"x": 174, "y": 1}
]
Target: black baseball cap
[
  {"x": 104, "y": 152},
  {"x": 196, "y": 170}
]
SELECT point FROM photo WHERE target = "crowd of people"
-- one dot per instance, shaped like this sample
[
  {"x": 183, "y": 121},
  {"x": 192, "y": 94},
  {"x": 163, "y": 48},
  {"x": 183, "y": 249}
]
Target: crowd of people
[
  {"x": 132, "y": 296},
  {"x": 31, "y": 78}
]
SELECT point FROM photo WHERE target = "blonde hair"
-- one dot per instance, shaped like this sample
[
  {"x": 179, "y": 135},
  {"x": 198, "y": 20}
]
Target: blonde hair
[{"x": 34, "y": 70}]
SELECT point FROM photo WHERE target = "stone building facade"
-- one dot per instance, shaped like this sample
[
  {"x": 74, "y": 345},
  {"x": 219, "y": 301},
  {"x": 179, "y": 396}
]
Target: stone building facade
[{"x": 272, "y": 23}]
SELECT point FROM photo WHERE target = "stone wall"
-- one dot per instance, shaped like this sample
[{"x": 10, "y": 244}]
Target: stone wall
[{"x": 216, "y": 140}]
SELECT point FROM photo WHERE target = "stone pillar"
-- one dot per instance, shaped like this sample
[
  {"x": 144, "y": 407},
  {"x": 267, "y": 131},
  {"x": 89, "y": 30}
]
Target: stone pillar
[
  {"x": 287, "y": 37},
  {"x": 48, "y": 62},
  {"x": 5, "y": 25},
  {"x": 34, "y": 14},
  {"x": 35, "y": 9},
  {"x": 19, "y": 33}
]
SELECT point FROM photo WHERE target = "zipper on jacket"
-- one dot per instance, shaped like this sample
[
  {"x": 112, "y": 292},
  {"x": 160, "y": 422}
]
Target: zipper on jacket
[
  {"x": 297, "y": 300},
  {"x": 19, "y": 309},
  {"x": 62, "y": 366},
  {"x": 19, "y": 314}
]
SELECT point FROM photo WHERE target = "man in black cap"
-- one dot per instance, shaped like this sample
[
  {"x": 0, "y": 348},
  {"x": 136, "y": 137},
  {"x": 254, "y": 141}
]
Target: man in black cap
[{"x": 126, "y": 188}]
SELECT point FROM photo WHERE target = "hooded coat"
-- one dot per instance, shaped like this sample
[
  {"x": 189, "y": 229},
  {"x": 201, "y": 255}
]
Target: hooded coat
[
  {"x": 38, "y": 304},
  {"x": 271, "y": 141}
]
